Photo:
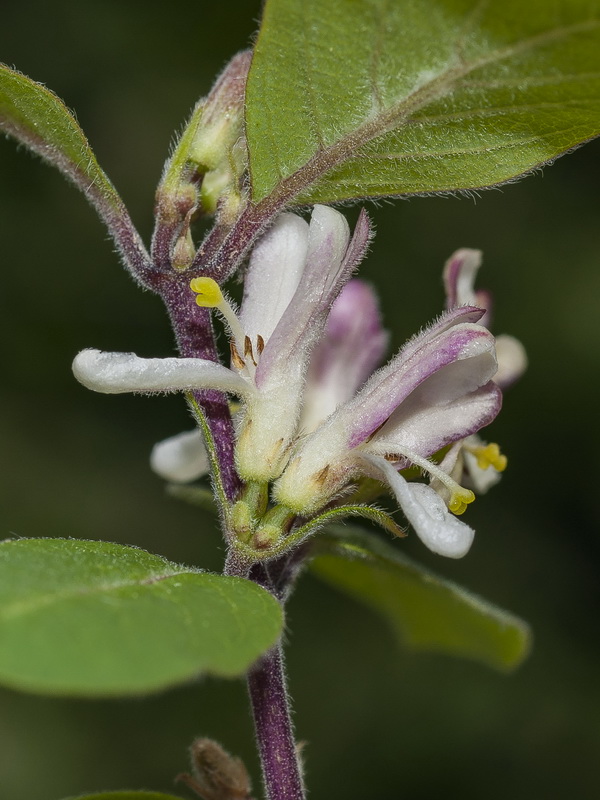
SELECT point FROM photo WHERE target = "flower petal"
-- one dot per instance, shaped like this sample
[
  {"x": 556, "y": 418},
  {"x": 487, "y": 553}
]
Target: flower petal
[
  {"x": 437, "y": 528},
  {"x": 302, "y": 325},
  {"x": 330, "y": 450},
  {"x": 512, "y": 360},
  {"x": 424, "y": 428},
  {"x": 351, "y": 348},
  {"x": 418, "y": 360},
  {"x": 181, "y": 458},
  {"x": 274, "y": 271},
  {"x": 116, "y": 373},
  {"x": 459, "y": 276},
  {"x": 271, "y": 418}
]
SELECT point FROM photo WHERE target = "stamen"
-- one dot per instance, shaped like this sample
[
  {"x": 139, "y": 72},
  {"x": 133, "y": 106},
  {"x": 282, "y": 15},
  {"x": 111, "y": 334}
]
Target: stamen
[
  {"x": 238, "y": 361},
  {"x": 489, "y": 456},
  {"x": 260, "y": 344},
  {"x": 321, "y": 476},
  {"x": 459, "y": 496},
  {"x": 248, "y": 349}
]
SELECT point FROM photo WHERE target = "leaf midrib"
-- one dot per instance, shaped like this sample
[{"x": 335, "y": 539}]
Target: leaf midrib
[
  {"x": 32, "y": 604},
  {"x": 326, "y": 159}
]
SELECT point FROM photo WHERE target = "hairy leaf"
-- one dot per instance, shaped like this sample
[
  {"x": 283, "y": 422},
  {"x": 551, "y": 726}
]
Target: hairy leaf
[
  {"x": 93, "y": 618},
  {"x": 426, "y": 612},
  {"x": 358, "y": 98},
  {"x": 39, "y": 119}
]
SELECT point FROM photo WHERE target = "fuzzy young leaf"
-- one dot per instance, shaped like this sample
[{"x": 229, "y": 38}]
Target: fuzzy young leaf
[
  {"x": 426, "y": 612},
  {"x": 40, "y": 120},
  {"x": 94, "y": 618},
  {"x": 370, "y": 97}
]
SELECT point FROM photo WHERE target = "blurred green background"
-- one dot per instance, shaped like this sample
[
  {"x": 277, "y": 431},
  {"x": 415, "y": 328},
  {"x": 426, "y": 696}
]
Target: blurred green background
[{"x": 378, "y": 722}]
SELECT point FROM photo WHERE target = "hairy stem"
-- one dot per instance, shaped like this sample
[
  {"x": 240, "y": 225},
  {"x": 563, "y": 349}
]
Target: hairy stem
[
  {"x": 274, "y": 731},
  {"x": 195, "y": 339}
]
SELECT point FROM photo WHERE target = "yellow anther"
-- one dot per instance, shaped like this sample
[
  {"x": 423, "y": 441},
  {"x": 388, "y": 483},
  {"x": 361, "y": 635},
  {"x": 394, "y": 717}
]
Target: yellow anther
[
  {"x": 490, "y": 456},
  {"x": 459, "y": 500},
  {"x": 208, "y": 291}
]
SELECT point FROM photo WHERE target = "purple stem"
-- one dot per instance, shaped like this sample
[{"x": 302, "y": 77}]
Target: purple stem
[
  {"x": 274, "y": 731},
  {"x": 193, "y": 330}
]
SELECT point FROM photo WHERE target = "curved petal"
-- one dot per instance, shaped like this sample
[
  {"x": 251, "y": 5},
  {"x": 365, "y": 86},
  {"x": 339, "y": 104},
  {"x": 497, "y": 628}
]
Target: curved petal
[
  {"x": 459, "y": 276},
  {"x": 437, "y": 528},
  {"x": 116, "y": 373},
  {"x": 273, "y": 274},
  {"x": 512, "y": 360},
  {"x": 448, "y": 341},
  {"x": 351, "y": 348},
  {"x": 302, "y": 325},
  {"x": 425, "y": 428},
  {"x": 272, "y": 416},
  {"x": 391, "y": 385},
  {"x": 181, "y": 458},
  {"x": 323, "y": 460}
]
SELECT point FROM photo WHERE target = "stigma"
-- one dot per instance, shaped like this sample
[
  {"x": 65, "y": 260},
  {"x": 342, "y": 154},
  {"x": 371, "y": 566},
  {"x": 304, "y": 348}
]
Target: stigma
[{"x": 209, "y": 295}]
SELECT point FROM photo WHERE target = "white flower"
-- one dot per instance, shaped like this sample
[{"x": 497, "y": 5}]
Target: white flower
[{"x": 302, "y": 347}]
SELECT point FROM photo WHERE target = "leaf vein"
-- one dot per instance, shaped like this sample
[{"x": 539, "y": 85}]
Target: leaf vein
[
  {"x": 493, "y": 111},
  {"x": 33, "y": 603}
]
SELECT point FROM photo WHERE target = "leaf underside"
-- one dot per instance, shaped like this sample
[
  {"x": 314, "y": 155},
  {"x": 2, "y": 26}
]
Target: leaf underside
[
  {"x": 425, "y": 611},
  {"x": 94, "y": 618},
  {"x": 367, "y": 98}
]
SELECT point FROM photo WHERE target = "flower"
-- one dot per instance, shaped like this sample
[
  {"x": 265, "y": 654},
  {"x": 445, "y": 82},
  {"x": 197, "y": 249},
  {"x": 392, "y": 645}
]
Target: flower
[
  {"x": 437, "y": 390},
  {"x": 352, "y": 345},
  {"x": 460, "y": 271},
  {"x": 302, "y": 346},
  {"x": 473, "y": 461}
]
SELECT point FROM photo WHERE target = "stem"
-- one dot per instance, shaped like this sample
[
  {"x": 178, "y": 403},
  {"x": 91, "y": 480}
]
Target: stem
[
  {"x": 195, "y": 339},
  {"x": 274, "y": 730}
]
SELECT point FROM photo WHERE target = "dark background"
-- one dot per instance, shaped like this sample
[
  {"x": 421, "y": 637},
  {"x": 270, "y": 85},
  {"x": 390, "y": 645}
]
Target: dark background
[{"x": 379, "y": 723}]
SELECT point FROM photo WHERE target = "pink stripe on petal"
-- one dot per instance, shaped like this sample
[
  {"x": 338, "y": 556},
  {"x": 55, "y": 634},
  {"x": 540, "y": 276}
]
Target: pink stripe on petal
[
  {"x": 351, "y": 348},
  {"x": 424, "y": 429},
  {"x": 392, "y": 384}
]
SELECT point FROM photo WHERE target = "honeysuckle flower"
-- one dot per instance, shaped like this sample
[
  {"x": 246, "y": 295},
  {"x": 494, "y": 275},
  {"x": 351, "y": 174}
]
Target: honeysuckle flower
[
  {"x": 436, "y": 391},
  {"x": 291, "y": 328},
  {"x": 478, "y": 462},
  {"x": 459, "y": 276},
  {"x": 303, "y": 344},
  {"x": 295, "y": 274},
  {"x": 352, "y": 345}
]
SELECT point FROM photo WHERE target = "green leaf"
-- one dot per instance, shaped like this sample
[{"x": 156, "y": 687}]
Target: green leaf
[
  {"x": 357, "y": 98},
  {"x": 39, "y": 119},
  {"x": 426, "y": 612},
  {"x": 93, "y": 618},
  {"x": 125, "y": 796}
]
